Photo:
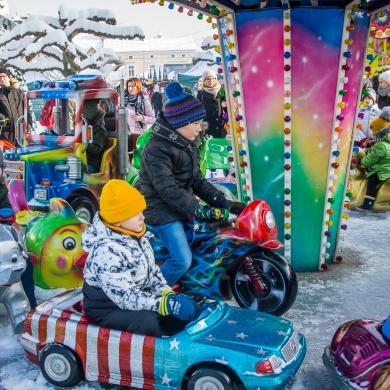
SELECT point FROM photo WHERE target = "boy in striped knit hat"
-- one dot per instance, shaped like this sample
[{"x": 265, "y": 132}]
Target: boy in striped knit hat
[{"x": 171, "y": 181}]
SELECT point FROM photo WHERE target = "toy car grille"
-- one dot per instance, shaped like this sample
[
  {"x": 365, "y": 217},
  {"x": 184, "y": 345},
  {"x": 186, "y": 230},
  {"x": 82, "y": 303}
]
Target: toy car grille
[
  {"x": 14, "y": 169},
  {"x": 290, "y": 350}
]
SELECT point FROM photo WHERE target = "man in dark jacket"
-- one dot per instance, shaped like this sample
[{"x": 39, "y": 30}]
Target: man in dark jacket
[
  {"x": 171, "y": 181},
  {"x": 11, "y": 106},
  {"x": 95, "y": 118}
]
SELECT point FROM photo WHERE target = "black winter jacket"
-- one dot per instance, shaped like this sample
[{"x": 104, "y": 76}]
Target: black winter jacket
[
  {"x": 214, "y": 113},
  {"x": 11, "y": 107},
  {"x": 170, "y": 178}
]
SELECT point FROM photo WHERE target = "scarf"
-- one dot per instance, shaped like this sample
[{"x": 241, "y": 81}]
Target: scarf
[
  {"x": 163, "y": 130},
  {"x": 380, "y": 135},
  {"x": 213, "y": 90},
  {"x": 384, "y": 91},
  {"x": 137, "y": 102}
]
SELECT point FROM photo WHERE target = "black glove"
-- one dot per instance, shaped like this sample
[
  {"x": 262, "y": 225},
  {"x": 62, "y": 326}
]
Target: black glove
[
  {"x": 236, "y": 207},
  {"x": 208, "y": 213}
]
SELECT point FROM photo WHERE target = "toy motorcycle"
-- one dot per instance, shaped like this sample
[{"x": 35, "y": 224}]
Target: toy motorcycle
[{"x": 238, "y": 260}]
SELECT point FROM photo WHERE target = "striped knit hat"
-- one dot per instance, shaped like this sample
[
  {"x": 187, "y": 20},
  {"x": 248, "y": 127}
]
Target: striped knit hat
[{"x": 181, "y": 108}]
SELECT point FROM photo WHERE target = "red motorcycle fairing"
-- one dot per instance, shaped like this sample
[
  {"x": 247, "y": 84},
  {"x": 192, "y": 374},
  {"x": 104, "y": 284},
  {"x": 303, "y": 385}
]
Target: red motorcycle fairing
[{"x": 251, "y": 225}]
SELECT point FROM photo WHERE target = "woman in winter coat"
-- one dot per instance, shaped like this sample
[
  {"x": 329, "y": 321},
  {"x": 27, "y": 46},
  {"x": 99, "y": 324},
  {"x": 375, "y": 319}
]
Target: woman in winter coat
[
  {"x": 377, "y": 160},
  {"x": 171, "y": 181},
  {"x": 214, "y": 102},
  {"x": 384, "y": 89},
  {"x": 139, "y": 110}
]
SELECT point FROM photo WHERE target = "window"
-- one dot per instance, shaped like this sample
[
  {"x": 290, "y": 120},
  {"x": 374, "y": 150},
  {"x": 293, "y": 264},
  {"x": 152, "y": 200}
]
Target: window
[
  {"x": 151, "y": 55},
  {"x": 130, "y": 57},
  {"x": 172, "y": 55},
  {"x": 183, "y": 55},
  {"x": 130, "y": 70}
]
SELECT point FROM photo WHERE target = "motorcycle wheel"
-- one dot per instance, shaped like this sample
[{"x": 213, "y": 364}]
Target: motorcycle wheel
[{"x": 279, "y": 278}]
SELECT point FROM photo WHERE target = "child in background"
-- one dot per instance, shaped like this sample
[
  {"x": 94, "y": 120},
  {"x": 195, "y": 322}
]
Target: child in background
[
  {"x": 377, "y": 160},
  {"x": 124, "y": 288},
  {"x": 368, "y": 112}
]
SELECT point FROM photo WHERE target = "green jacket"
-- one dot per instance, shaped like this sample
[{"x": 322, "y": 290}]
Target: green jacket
[{"x": 377, "y": 159}]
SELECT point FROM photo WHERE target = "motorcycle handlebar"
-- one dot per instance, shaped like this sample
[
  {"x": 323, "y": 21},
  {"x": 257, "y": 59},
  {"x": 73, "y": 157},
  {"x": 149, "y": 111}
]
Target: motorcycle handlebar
[{"x": 216, "y": 224}]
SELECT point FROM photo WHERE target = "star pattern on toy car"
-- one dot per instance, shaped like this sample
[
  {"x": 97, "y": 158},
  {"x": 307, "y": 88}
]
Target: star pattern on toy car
[
  {"x": 232, "y": 322},
  {"x": 241, "y": 335},
  {"x": 222, "y": 360},
  {"x": 260, "y": 319},
  {"x": 202, "y": 324},
  {"x": 281, "y": 333},
  {"x": 165, "y": 379},
  {"x": 261, "y": 351},
  {"x": 174, "y": 344},
  {"x": 210, "y": 337}
]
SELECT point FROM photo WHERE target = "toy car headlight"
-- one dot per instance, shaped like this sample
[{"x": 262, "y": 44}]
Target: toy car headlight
[
  {"x": 40, "y": 194},
  {"x": 270, "y": 220}
]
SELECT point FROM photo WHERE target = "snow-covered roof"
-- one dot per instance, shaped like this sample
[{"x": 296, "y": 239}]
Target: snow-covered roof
[
  {"x": 199, "y": 68},
  {"x": 152, "y": 44}
]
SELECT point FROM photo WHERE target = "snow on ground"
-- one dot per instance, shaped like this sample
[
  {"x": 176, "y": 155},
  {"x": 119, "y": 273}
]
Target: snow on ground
[{"x": 357, "y": 287}]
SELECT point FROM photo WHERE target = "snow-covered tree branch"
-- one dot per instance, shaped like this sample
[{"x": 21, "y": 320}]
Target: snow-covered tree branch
[{"x": 46, "y": 44}]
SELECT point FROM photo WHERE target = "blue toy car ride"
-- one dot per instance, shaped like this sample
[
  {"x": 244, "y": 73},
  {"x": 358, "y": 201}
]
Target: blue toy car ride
[{"x": 226, "y": 348}]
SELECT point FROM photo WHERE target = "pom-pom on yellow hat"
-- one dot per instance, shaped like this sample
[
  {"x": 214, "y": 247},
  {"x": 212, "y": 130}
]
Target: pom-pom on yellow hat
[{"x": 120, "y": 201}]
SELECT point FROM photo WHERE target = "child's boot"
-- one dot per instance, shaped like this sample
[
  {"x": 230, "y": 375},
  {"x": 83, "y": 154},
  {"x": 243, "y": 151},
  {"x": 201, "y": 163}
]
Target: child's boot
[{"x": 367, "y": 204}]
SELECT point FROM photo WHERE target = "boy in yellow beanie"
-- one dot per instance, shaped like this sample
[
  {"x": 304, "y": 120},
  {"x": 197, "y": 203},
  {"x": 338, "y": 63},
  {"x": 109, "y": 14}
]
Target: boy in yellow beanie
[
  {"x": 377, "y": 159},
  {"x": 123, "y": 288}
]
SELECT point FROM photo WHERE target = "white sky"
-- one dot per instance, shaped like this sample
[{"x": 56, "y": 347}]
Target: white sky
[{"x": 152, "y": 18}]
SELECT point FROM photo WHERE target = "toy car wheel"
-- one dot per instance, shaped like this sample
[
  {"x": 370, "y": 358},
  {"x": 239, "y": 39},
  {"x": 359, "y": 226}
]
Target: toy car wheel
[
  {"x": 60, "y": 366},
  {"x": 83, "y": 207},
  {"x": 281, "y": 286},
  {"x": 210, "y": 379},
  {"x": 382, "y": 379}
]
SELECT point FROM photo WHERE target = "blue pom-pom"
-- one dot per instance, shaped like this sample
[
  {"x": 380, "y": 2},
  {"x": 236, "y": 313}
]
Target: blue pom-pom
[{"x": 173, "y": 89}]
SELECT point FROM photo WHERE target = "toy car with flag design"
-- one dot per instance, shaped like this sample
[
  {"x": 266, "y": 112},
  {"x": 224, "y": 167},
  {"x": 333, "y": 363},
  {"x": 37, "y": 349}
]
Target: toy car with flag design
[{"x": 226, "y": 348}]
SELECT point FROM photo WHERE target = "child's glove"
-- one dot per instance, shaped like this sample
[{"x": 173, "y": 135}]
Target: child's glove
[
  {"x": 236, "y": 207},
  {"x": 178, "y": 306},
  {"x": 208, "y": 213},
  {"x": 7, "y": 216}
]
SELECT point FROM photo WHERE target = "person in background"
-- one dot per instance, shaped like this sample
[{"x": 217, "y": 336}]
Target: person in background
[
  {"x": 11, "y": 105},
  {"x": 171, "y": 180},
  {"x": 123, "y": 287},
  {"x": 157, "y": 100},
  {"x": 377, "y": 159},
  {"x": 108, "y": 106},
  {"x": 214, "y": 102},
  {"x": 94, "y": 116},
  {"x": 27, "y": 278},
  {"x": 368, "y": 111},
  {"x": 384, "y": 89},
  {"x": 139, "y": 110}
]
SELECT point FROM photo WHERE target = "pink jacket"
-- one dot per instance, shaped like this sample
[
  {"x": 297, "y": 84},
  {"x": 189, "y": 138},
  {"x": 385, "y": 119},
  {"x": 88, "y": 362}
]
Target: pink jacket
[{"x": 148, "y": 117}]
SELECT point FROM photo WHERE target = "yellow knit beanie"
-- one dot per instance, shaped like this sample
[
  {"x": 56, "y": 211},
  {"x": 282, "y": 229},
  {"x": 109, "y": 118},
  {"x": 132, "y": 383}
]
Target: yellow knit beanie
[
  {"x": 120, "y": 201},
  {"x": 378, "y": 124}
]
